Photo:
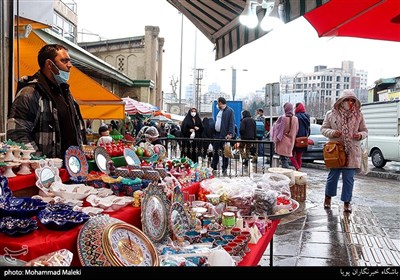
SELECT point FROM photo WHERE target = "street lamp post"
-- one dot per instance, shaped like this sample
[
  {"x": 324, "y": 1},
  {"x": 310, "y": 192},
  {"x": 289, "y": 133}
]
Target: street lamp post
[
  {"x": 199, "y": 77},
  {"x": 234, "y": 81}
]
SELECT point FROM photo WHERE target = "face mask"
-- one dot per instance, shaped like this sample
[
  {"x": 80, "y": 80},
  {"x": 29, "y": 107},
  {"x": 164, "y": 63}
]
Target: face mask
[
  {"x": 348, "y": 105},
  {"x": 193, "y": 114},
  {"x": 62, "y": 77}
]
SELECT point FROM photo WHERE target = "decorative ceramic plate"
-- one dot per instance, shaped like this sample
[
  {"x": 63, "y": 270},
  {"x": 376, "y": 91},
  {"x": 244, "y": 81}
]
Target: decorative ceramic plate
[
  {"x": 102, "y": 158},
  {"x": 76, "y": 162},
  {"x": 178, "y": 220},
  {"x": 154, "y": 214},
  {"x": 131, "y": 157},
  {"x": 90, "y": 249},
  {"x": 295, "y": 206}
]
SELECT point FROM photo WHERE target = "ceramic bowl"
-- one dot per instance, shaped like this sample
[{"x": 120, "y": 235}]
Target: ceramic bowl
[
  {"x": 57, "y": 162},
  {"x": 109, "y": 203},
  {"x": 73, "y": 191},
  {"x": 213, "y": 198},
  {"x": 192, "y": 236}
]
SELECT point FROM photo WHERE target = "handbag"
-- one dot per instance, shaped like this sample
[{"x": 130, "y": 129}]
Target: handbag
[
  {"x": 334, "y": 154},
  {"x": 301, "y": 142}
]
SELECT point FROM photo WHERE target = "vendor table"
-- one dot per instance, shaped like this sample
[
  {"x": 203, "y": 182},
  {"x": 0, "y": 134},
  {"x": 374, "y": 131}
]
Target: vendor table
[{"x": 43, "y": 240}]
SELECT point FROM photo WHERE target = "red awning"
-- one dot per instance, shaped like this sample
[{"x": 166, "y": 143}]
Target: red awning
[{"x": 370, "y": 19}]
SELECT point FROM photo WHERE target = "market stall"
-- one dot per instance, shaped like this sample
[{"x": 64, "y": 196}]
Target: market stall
[{"x": 171, "y": 210}]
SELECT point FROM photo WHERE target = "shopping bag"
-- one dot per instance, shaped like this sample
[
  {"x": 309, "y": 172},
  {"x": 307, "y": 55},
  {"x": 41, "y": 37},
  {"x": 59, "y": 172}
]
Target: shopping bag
[
  {"x": 364, "y": 159},
  {"x": 228, "y": 150}
]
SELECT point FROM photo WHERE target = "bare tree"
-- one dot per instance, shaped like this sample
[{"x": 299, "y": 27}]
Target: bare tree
[{"x": 174, "y": 85}]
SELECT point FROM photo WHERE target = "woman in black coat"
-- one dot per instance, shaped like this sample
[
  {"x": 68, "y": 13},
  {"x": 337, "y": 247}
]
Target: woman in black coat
[
  {"x": 208, "y": 132},
  {"x": 247, "y": 132},
  {"x": 192, "y": 124}
]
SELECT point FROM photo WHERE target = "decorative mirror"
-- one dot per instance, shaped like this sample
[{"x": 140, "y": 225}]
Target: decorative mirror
[
  {"x": 76, "y": 162},
  {"x": 45, "y": 176},
  {"x": 177, "y": 195},
  {"x": 102, "y": 158},
  {"x": 154, "y": 214},
  {"x": 131, "y": 157},
  {"x": 178, "y": 220}
]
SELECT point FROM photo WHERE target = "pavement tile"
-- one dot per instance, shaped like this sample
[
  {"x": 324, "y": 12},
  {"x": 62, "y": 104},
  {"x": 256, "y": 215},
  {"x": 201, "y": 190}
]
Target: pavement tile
[
  {"x": 323, "y": 237},
  {"x": 304, "y": 261},
  {"x": 321, "y": 250}
]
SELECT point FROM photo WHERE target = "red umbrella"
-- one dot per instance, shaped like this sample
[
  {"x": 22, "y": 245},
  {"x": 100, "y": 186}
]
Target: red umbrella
[{"x": 370, "y": 19}]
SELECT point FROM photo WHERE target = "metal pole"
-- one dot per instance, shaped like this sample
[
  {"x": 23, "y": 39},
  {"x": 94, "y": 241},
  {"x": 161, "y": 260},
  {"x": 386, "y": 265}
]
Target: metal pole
[
  {"x": 180, "y": 68},
  {"x": 233, "y": 83}
]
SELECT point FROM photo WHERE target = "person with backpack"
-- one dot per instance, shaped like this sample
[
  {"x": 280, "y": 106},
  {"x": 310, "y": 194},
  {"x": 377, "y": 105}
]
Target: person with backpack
[{"x": 44, "y": 112}]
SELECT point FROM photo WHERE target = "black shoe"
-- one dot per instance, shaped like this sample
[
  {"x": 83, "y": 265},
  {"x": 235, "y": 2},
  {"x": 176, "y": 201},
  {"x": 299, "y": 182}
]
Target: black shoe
[
  {"x": 347, "y": 207},
  {"x": 327, "y": 202}
]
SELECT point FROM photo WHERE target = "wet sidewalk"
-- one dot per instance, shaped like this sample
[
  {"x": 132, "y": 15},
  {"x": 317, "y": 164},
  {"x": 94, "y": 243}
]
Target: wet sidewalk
[{"x": 313, "y": 236}]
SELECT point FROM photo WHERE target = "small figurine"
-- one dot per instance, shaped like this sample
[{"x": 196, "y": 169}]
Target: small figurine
[{"x": 111, "y": 167}]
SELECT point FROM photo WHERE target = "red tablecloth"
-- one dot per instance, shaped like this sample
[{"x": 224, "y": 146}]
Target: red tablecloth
[
  {"x": 25, "y": 181},
  {"x": 43, "y": 241}
]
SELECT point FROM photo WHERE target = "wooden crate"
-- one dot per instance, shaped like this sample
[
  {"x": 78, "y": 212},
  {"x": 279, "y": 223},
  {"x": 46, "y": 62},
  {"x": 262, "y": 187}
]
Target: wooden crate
[{"x": 298, "y": 192}]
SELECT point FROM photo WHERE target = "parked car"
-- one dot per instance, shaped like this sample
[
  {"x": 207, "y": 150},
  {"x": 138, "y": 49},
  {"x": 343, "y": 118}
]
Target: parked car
[{"x": 315, "y": 148}]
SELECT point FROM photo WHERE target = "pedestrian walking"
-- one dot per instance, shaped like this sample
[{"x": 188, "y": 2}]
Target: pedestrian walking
[
  {"x": 344, "y": 123},
  {"x": 283, "y": 133},
  {"x": 224, "y": 129},
  {"x": 304, "y": 130}
]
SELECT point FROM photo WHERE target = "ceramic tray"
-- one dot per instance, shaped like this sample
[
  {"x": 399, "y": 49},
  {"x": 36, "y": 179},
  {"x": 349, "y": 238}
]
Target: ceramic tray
[
  {"x": 61, "y": 219},
  {"x": 16, "y": 226},
  {"x": 76, "y": 162},
  {"x": 24, "y": 207}
]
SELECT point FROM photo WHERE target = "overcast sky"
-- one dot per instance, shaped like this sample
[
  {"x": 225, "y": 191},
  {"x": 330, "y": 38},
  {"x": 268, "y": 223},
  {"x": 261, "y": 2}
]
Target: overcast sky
[{"x": 293, "y": 48}]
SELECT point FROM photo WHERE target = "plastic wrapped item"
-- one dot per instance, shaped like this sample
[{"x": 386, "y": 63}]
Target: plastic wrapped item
[
  {"x": 284, "y": 171},
  {"x": 61, "y": 257},
  {"x": 277, "y": 180},
  {"x": 264, "y": 201}
]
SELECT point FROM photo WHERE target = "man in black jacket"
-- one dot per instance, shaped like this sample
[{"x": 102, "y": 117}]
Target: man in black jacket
[
  {"x": 44, "y": 114},
  {"x": 224, "y": 129}
]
